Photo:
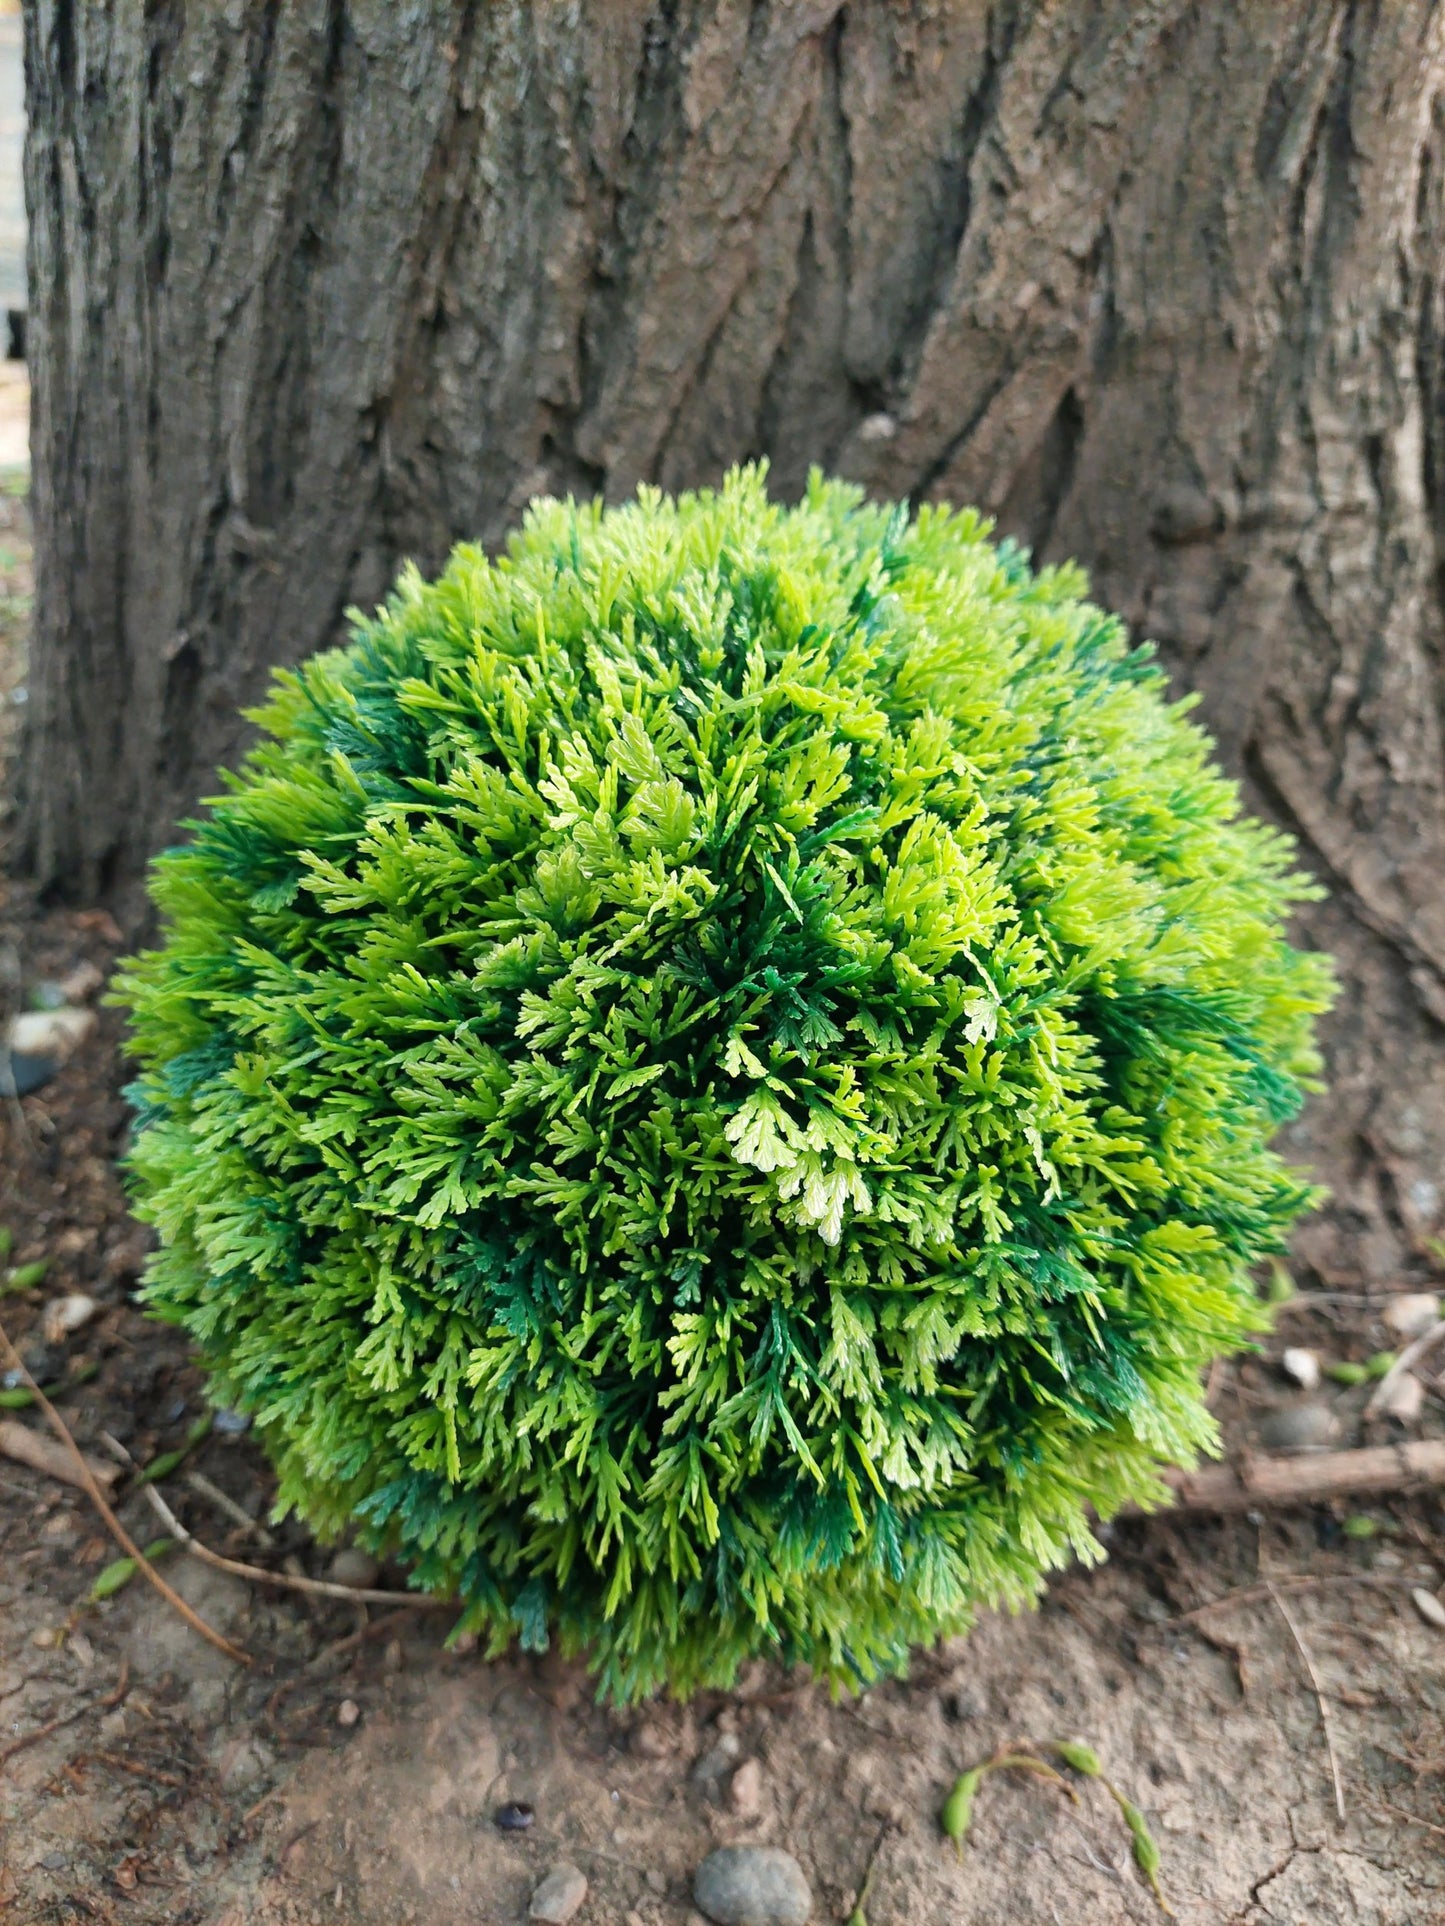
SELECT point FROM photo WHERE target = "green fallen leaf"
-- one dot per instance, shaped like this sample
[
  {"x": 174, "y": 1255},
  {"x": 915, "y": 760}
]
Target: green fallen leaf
[
  {"x": 16, "y": 1397},
  {"x": 7, "y": 1239},
  {"x": 1280, "y": 1288},
  {"x": 161, "y": 1467},
  {"x": 1377, "y": 1365},
  {"x": 169, "y": 1461},
  {"x": 1359, "y": 1524},
  {"x": 118, "y": 1574},
  {"x": 1082, "y": 1758},
  {"x": 24, "y": 1277},
  {"x": 1344, "y": 1372},
  {"x": 1146, "y": 1852},
  {"x": 957, "y": 1814}
]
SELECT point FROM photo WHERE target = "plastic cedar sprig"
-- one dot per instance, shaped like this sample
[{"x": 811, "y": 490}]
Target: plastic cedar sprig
[{"x": 636, "y": 968}]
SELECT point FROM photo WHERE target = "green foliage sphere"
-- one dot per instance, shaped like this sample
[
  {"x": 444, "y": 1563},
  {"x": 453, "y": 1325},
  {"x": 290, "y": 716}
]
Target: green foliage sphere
[{"x": 709, "y": 1082}]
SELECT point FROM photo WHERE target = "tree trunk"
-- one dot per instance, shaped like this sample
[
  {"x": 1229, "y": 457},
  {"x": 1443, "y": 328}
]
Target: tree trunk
[{"x": 321, "y": 284}]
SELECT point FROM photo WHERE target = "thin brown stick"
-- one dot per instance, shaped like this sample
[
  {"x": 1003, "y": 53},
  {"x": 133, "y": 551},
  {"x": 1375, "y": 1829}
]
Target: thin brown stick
[
  {"x": 122, "y": 1686},
  {"x": 351, "y": 1643},
  {"x": 117, "y": 1530},
  {"x": 43, "y": 1732},
  {"x": 1410, "y": 1356},
  {"x": 258, "y": 1575},
  {"x": 363, "y": 1635},
  {"x": 136, "y": 1768},
  {"x": 1326, "y": 1719},
  {"x": 1301, "y": 1581},
  {"x": 224, "y": 1502},
  {"x": 1414, "y": 1818}
]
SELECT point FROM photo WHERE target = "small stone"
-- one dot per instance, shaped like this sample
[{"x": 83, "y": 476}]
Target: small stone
[
  {"x": 47, "y": 1638},
  {"x": 718, "y": 1760},
  {"x": 242, "y": 1763},
  {"x": 230, "y": 1424},
  {"x": 653, "y": 1740},
  {"x": 879, "y": 427},
  {"x": 1301, "y": 1365},
  {"x": 348, "y": 1712},
  {"x": 1412, "y": 1313},
  {"x": 964, "y": 1702},
  {"x": 31, "y": 1073},
  {"x": 745, "y": 1790},
  {"x": 81, "y": 985},
  {"x": 1405, "y": 1399},
  {"x": 50, "y": 1033},
  {"x": 67, "y": 1315},
  {"x": 43, "y": 1361},
  {"x": 1298, "y": 1427},
  {"x": 515, "y": 1817},
  {"x": 1429, "y": 1607},
  {"x": 354, "y": 1568},
  {"x": 560, "y": 1895},
  {"x": 54, "y": 1861},
  {"x": 752, "y": 1886}
]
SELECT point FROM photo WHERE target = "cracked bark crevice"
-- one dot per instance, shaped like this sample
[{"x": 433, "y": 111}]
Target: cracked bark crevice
[{"x": 1161, "y": 286}]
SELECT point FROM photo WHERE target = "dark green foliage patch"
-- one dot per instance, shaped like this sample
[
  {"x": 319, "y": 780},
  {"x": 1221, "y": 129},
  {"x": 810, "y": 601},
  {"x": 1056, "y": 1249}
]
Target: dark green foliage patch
[{"x": 709, "y": 1082}]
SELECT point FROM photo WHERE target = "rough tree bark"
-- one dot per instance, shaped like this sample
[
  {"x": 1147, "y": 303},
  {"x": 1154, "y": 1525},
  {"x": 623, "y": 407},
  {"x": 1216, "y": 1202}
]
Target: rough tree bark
[{"x": 320, "y": 284}]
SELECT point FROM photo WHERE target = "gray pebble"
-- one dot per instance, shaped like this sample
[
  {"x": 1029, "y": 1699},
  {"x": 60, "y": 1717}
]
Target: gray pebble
[
  {"x": 1412, "y": 1313},
  {"x": 559, "y": 1896},
  {"x": 745, "y": 1790},
  {"x": 964, "y": 1702},
  {"x": 1429, "y": 1607},
  {"x": 718, "y": 1760},
  {"x": 354, "y": 1568},
  {"x": 1298, "y": 1427},
  {"x": 753, "y": 1886}
]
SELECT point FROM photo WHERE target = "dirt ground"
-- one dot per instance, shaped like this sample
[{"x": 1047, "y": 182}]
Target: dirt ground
[{"x": 353, "y": 1770}]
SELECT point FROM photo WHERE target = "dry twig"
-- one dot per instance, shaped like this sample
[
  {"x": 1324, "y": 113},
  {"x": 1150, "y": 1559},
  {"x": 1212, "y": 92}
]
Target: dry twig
[
  {"x": 1299, "y": 1481},
  {"x": 258, "y": 1575},
  {"x": 91, "y": 1487},
  {"x": 1410, "y": 1356},
  {"x": 44, "y": 1731},
  {"x": 225, "y": 1503},
  {"x": 1299, "y": 1582},
  {"x": 1319, "y": 1691},
  {"x": 1413, "y": 1817},
  {"x": 26, "y": 1447}
]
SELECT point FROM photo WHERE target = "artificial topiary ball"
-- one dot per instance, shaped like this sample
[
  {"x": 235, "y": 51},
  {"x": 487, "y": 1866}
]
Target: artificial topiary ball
[{"x": 709, "y": 1082}]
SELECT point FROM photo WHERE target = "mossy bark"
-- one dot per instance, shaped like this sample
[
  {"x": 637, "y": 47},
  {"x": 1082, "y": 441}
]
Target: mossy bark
[{"x": 321, "y": 284}]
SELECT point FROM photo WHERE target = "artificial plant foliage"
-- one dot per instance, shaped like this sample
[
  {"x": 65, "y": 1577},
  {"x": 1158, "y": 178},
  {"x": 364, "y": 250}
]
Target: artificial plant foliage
[{"x": 709, "y": 1082}]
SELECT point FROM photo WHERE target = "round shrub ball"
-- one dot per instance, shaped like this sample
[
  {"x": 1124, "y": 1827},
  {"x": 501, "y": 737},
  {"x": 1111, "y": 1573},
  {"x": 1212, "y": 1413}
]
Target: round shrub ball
[{"x": 708, "y": 1084}]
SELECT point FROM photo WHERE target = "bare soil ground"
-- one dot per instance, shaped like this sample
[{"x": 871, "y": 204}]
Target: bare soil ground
[{"x": 352, "y": 1772}]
